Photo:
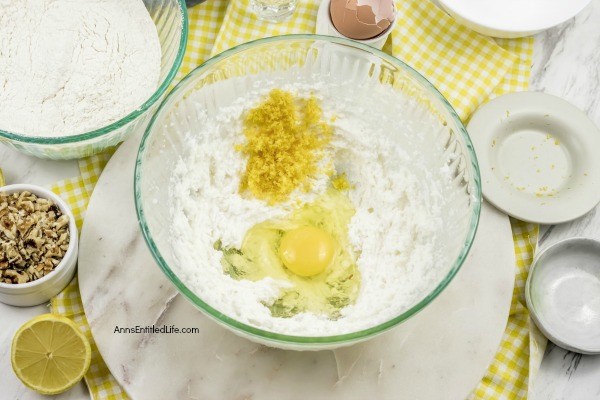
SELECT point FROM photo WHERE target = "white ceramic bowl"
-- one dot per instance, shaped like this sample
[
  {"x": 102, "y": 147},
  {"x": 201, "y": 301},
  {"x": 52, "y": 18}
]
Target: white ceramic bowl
[
  {"x": 538, "y": 157},
  {"x": 41, "y": 290},
  {"x": 512, "y": 18},
  {"x": 563, "y": 294}
]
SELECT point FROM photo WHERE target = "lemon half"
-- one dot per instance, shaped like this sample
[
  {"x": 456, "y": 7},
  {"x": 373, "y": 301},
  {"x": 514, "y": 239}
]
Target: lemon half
[{"x": 50, "y": 354}]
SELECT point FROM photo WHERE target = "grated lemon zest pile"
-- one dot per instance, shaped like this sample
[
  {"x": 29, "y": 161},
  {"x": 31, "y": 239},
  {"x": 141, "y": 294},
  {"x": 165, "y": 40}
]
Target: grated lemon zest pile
[
  {"x": 285, "y": 137},
  {"x": 340, "y": 182}
]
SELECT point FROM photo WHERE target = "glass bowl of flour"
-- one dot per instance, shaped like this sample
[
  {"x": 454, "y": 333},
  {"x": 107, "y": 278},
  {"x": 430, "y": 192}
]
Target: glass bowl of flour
[
  {"x": 79, "y": 77},
  {"x": 410, "y": 175}
]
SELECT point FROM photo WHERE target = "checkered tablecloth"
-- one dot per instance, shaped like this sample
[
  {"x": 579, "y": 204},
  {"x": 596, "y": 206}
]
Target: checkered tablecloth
[{"x": 467, "y": 68}]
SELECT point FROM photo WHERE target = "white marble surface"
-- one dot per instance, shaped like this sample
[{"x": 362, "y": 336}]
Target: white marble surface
[
  {"x": 121, "y": 286},
  {"x": 567, "y": 61},
  {"x": 567, "y": 64}
]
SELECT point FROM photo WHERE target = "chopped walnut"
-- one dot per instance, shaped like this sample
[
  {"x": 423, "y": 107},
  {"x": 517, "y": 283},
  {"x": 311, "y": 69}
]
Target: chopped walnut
[{"x": 34, "y": 237}]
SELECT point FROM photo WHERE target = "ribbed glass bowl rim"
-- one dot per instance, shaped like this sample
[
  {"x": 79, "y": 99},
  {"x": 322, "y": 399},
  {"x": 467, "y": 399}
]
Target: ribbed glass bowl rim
[
  {"x": 292, "y": 339},
  {"x": 45, "y": 140}
]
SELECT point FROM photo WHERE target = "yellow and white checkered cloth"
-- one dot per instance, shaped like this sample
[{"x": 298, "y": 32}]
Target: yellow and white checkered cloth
[{"x": 467, "y": 68}]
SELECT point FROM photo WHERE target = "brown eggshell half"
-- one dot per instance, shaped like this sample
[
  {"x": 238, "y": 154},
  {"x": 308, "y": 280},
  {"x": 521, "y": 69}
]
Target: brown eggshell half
[{"x": 354, "y": 21}]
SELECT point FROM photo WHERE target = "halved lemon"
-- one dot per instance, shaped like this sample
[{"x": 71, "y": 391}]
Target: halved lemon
[
  {"x": 2, "y": 182},
  {"x": 50, "y": 354}
]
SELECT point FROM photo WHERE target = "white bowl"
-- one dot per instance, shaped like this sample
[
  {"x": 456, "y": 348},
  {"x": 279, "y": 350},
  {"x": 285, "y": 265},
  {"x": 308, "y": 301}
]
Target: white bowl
[
  {"x": 563, "y": 294},
  {"x": 41, "y": 290},
  {"x": 512, "y": 18},
  {"x": 538, "y": 157}
]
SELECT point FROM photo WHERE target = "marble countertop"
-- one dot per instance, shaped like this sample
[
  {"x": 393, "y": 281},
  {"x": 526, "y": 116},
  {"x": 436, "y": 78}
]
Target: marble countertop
[
  {"x": 471, "y": 312},
  {"x": 566, "y": 64}
]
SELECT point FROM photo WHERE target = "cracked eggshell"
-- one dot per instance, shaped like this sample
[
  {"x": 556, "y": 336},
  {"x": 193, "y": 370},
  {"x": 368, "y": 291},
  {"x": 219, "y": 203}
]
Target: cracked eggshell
[{"x": 362, "y": 19}]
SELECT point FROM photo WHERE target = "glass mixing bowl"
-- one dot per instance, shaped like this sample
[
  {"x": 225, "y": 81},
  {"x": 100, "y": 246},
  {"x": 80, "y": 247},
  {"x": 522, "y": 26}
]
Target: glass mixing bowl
[
  {"x": 170, "y": 17},
  {"x": 445, "y": 147}
]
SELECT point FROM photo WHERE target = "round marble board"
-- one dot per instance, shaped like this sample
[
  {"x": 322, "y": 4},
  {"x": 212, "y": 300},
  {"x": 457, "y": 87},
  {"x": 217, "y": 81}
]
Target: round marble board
[{"x": 441, "y": 353}]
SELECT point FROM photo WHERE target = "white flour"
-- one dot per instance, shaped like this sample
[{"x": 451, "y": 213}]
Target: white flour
[
  {"x": 394, "y": 231},
  {"x": 71, "y": 66}
]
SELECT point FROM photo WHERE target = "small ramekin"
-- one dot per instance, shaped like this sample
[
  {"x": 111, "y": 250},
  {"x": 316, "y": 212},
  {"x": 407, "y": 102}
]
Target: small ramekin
[
  {"x": 561, "y": 294},
  {"x": 41, "y": 290}
]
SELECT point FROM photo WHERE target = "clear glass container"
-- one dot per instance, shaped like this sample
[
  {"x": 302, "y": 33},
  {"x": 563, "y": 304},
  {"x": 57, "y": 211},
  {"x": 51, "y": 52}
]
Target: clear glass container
[
  {"x": 307, "y": 58},
  {"x": 273, "y": 10},
  {"x": 170, "y": 17}
]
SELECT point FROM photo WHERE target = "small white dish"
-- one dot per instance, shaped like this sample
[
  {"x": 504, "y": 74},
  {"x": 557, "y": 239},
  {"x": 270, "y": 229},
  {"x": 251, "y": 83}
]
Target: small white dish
[
  {"x": 512, "y": 18},
  {"x": 563, "y": 294},
  {"x": 538, "y": 157},
  {"x": 324, "y": 26},
  {"x": 41, "y": 290}
]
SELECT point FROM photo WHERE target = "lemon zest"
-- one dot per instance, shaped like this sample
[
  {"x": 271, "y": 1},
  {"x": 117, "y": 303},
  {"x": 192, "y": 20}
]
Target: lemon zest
[{"x": 285, "y": 138}]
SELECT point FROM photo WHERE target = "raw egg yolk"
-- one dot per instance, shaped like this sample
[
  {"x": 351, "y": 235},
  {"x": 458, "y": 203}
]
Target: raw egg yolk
[{"x": 306, "y": 251}]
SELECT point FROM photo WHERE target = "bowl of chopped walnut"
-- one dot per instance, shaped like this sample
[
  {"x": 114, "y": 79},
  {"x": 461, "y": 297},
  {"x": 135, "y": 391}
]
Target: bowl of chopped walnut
[{"x": 38, "y": 245}]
